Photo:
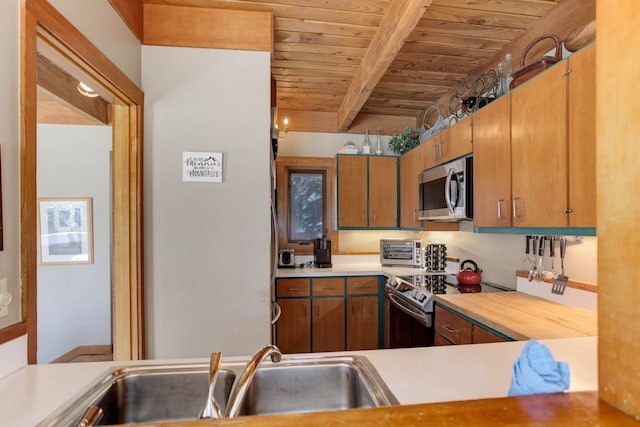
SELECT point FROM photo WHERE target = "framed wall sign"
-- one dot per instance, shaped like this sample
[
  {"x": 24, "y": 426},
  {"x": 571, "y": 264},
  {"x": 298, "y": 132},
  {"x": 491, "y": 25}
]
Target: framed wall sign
[
  {"x": 201, "y": 166},
  {"x": 65, "y": 231}
]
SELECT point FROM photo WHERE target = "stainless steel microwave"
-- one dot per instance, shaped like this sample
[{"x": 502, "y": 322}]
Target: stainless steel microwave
[
  {"x": 446, "y": 191},
  {"x": 401, "y": 253}
]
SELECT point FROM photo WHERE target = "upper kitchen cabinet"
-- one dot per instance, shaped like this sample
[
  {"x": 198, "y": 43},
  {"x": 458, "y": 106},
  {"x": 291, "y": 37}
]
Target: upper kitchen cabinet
[
  {"x": 539, "y": 150},
  {"x": 534, "y": 151},
  {"x": 367, "y": 192},
  {"x": 582, "y": 138},
  {"x": 492, "y": 164},
  {"x": 453, "y": 142},
  {"x": 411, "y": 164}
]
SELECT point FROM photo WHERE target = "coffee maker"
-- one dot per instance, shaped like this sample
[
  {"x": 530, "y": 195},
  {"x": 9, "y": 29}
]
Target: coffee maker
[{"x": 322, "y": 252}]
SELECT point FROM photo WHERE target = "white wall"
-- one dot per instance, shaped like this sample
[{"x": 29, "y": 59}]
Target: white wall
[
  {"x": 207, "y": 244},
  {"x": 499, "y": 255},
  {"x": 12, "y": 354},
  {"x": 100, "y": 23},
  {"x": 74, "y": 301}
]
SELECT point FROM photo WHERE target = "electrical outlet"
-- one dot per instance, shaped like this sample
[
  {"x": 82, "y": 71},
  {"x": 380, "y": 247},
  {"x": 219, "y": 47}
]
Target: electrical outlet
[{"x": 4, "y": 297}]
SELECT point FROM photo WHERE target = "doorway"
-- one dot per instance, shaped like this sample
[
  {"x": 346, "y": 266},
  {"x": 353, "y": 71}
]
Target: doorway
[{"x": 49, "y": 39}]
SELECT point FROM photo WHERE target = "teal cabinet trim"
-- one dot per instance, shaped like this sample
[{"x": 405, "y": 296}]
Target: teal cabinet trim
[{"x": 572, "y": 231}]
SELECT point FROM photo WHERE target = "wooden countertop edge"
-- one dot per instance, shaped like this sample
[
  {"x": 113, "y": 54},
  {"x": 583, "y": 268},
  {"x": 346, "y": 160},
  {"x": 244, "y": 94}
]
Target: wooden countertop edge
[
  {"x": 589, "y": 287},
  {"x": 502, "y": 328},
  {"x": 561, "y": 409}
]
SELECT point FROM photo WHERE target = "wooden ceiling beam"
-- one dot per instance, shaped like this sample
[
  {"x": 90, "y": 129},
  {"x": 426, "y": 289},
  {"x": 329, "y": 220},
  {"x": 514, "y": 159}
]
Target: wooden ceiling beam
[
  {"x": 398, "y": 22},
  {"x": 64, "y": 86}
]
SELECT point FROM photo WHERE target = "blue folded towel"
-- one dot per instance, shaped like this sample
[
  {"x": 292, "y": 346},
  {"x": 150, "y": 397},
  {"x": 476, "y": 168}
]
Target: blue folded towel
[{"x": 535, "y": 371}]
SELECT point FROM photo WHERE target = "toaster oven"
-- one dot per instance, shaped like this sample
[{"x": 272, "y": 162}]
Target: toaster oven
[{"x": 401, "y": 253}]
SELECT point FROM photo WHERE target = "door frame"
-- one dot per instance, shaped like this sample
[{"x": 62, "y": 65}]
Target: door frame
[{"x": 40, "y": 20}]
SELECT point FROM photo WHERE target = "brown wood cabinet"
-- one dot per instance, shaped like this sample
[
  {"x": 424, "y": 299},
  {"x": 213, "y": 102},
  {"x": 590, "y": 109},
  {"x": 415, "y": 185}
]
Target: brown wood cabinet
[
  {"x": 328, "y": 324},
  {"x": 411, "y": 165},
  {"x": 352, "y": 191},
  {"x": 534, "y": 164},
  {"x": 328, "y": 314},
  {"x": 582, "y": 138},
  {"x": 363, "y": 307},
  {"x": 492, "y": 164},
  {"x": 539, "y": 150},
  {"x": 292, "y": 329},
  {"x": 367, "y": 191},
  {"x": 450, "y": 328},
  {"x": 455, "y": 141}
]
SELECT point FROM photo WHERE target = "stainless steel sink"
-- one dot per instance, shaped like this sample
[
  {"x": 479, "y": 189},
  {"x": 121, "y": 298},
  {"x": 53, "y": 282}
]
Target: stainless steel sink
[
  {"x": 317, "y": 385},
  {"x": 153, "y": 393}
]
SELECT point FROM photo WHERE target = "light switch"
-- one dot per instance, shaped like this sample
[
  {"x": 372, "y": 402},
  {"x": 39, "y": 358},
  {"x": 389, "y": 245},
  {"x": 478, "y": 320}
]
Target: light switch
[{"x": 5, "y": 298}]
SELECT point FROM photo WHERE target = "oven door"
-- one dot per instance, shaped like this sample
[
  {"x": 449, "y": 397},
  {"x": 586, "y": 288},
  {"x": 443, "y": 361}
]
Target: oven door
[{"x": 406, "y": 326}]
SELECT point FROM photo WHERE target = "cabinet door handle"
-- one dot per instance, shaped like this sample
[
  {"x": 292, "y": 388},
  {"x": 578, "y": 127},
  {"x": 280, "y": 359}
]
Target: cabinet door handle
[
  {"x": 414, "y": 216},
  {"x": 448, "y": 329},
  {"x": 362, "y": 217},
  {"x": 353, "y": 309},
  {"x": 500, "y": 208},
  {"x": 515, "y": 207},
  {"x": 440, "y": 149},
  {"x": 317, "y": 310},
  {"x": 304, "y": 310},
  {"x": 435, "y": 152},
  {"x": 374, "y": 217},
  {"x": 293, "y": 289}
]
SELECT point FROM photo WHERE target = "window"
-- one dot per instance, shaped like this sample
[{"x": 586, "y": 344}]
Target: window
[
  {"x": 304, "y": 201},
  {"x": 306, "y": 205}
]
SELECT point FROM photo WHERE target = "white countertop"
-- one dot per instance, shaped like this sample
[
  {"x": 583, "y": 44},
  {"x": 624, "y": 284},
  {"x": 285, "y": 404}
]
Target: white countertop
[
  {"x": 365, "y": 269},
  {"x": 415, "y": 375}
]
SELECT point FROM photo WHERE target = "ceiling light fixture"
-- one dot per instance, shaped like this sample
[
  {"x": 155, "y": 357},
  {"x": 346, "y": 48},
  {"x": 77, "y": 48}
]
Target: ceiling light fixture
[{"x": 86, "y": 90}]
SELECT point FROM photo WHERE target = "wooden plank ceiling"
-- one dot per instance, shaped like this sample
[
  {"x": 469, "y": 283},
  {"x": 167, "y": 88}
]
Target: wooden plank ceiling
[
  {"x": 320, "y": 46},
  {"x": 340, "y": 63}
]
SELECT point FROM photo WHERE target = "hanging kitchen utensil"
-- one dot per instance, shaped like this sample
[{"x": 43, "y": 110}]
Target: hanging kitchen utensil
[
  {"x": 527, "y": 260},
  {"x": 540, "y": 267},
  {"x": 560, "y": 283},
  {"x": 532, "y": 272}
]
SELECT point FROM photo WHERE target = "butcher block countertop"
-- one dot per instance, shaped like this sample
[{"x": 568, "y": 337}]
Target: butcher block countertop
[{"x": 522, "y": 316}]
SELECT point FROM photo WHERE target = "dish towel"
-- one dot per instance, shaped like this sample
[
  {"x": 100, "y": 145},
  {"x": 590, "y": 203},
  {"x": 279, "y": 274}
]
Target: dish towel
[{"x": 536, "y": 371}]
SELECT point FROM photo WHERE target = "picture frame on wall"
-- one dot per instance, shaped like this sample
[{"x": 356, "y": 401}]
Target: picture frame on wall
[{"x": 65, "y": 231}]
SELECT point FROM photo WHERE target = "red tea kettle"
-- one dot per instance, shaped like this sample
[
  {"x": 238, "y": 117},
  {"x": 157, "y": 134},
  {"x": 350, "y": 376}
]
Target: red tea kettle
[{"x": 468, "y": 276}]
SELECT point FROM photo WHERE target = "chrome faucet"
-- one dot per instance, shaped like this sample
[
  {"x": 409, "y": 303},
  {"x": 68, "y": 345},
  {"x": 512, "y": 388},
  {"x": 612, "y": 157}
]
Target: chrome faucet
[{"x": 241, "y": 386}]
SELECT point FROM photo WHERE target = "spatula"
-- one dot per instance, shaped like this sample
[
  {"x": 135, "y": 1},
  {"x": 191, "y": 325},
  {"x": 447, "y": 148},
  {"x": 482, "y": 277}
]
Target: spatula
[{"x": 560, "y": 282}]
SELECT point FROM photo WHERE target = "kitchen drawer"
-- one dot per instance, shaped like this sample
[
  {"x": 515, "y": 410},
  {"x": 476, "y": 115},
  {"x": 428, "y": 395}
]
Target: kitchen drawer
[
  {"x": 440, "y": 340},
  {"x": 362, "y": 285},
  {"x": 293, "y": 287},
  {"x": 481, "y": 335},
  {"x": 453, "y": 327},
  {"x": 328, "y": 287}
]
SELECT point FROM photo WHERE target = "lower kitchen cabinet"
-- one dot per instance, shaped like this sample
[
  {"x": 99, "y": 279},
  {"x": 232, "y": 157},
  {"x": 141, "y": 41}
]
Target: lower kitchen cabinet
[
  {"x": 451, "y": 328},
  {"x": 363, "y": 309},
  {"x": 328, "y": 314},
  {"x": 294, "y": 325}
]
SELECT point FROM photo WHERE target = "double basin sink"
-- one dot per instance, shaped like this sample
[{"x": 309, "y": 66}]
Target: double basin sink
[{"x": 155, "y": 393}]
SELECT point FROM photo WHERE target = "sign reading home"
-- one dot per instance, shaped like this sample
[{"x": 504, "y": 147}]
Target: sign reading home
[{"x": 201, "y": 167}]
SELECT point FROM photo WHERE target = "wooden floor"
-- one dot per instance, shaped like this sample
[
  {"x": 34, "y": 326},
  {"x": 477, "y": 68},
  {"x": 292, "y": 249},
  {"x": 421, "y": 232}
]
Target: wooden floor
[{"x": 87, "y": 353}]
